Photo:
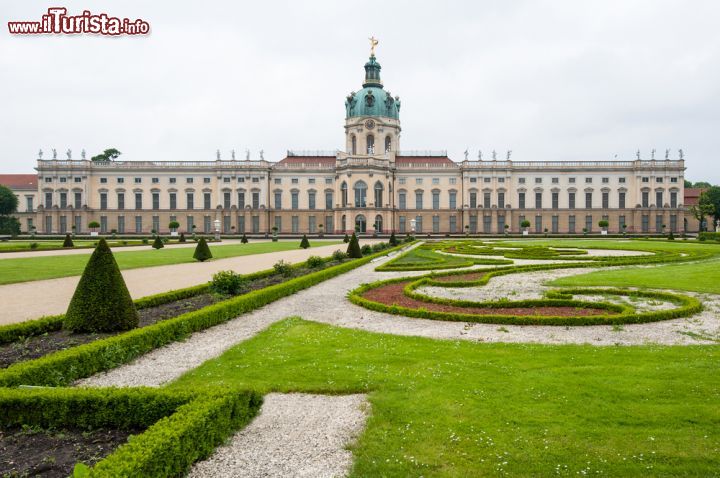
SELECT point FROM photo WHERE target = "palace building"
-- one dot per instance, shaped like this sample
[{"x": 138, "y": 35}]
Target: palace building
[{"x": 372, "y": 185}]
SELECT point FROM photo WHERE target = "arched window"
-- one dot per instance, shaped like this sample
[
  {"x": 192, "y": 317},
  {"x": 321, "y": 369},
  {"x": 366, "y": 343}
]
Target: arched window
[
  {"x": 343, "y": 220},
  {"x": 360, "y": 223},
  {"x": 378, "y": 194},
  {"x": 378, "y": 224},
  {"x": 360, "y": 194},
  {"x": 370, "y": 144},
  {"x": 353, "y": 149},
  {"x": 388, "y": 143},
  {"x": 344, "y": 194}
]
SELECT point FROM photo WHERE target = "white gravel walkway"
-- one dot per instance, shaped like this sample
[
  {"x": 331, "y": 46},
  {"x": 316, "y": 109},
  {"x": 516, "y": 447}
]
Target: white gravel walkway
[{"x": 295, "y": 435}]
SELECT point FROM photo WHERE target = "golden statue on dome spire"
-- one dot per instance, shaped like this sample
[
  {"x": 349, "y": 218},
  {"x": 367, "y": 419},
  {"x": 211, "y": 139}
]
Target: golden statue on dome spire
[{"x": 373, "y": 44}]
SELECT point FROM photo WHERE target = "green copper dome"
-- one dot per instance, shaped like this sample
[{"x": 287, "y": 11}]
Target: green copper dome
[{"x": 372, "y": 99}]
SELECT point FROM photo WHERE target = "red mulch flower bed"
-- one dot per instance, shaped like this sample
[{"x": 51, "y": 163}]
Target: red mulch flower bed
[{"x": 392, "y": 294}]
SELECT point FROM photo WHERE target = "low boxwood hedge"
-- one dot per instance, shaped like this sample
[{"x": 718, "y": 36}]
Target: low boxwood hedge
[
  {"x": 182, "y": 427},
  {"x": 66, "y": 366}
]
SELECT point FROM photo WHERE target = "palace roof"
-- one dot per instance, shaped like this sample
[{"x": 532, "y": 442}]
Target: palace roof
[
  {"x": 19, "y": 181},
  {"x": 692, "y": 196}
]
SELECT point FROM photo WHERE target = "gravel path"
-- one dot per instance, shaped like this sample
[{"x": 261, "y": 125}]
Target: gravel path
[
  {"x": 295, "y": 435},
  {"x": 30, "y": 300}
]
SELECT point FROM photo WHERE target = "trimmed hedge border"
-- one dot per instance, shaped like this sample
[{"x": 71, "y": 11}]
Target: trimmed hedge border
[
  {"x": 435, "y": 263},
  {"x": 182, "y": 426},
  {"x": 66, "y": 366}
]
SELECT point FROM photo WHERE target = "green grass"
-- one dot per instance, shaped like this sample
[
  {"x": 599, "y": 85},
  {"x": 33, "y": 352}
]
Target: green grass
[
  {"x": 457, "y": 409},
  {"x": 44, "y": 245},
  {"x": 694, "y": 276},
  {"x": 39, "y": 268}
]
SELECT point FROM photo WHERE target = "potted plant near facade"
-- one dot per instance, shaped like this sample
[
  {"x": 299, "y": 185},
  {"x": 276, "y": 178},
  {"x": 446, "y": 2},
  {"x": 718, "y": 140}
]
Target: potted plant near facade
[
  {"x": 506, "y": 229},
  {"x": 545, "y": 231},
  {"x": 74, "y": 230},
  {"x": 525, "y": 225},
  {"x": 274, "y": 233},
  {"x": 663, "y": 228},
  {"x": 624, "y": 227},
  {"x": 585, "y": 231},
  {"x": 93, "y": 225},
  {"x": 467, "y": 229},
  {"x": 603, "y": 227},
  {"x": 193, "y": 230},
  {"x": 173, "y": 228},
  {"x": 320, "y": 230}
]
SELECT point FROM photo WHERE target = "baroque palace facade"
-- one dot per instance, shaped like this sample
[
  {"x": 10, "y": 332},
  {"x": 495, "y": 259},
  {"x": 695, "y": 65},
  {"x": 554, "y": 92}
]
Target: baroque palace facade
[{"x": 371, "y": 185}]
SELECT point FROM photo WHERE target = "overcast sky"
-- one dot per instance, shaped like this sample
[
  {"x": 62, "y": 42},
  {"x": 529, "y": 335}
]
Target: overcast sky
[{"x": 550, "y": 80}]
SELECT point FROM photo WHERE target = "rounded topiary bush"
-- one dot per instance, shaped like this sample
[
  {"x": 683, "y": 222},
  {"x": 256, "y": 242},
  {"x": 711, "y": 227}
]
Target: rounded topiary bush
[
  {"x": 353, "y": 249},
  {"x": 182, "y": 237},
  {"x": 202, "y": 251},
  {"x": 346, "y": 239},
  {"x": 393, "y": 240},
  {"x": 68, "y": 241},
  {"x": 158, "y": 243},
  {"x": 244, "y": 239},
  {"x": 101, "y": 302},
  {"x": 304, "y": 243}
]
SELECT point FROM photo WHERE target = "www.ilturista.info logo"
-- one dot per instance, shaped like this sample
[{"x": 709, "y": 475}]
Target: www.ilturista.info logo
[{"x": 58, "y": 22}]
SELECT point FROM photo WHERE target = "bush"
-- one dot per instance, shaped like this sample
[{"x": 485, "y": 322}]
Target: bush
[
  {"x": 68, "y": 242},
  {"x": 366, "y": 249},
  {"x": 283, "y": 268},
  {"x": 708, "y": 235},
  {"x": 379, "y": 246},
  {"x": 93, "y": 224},
  {"x": 525, "y": 223},
  {"x": 101, "y": 302},
  {"x": 304, "y": 243},
  {"x": 182, "y": 237},
  {"x": 603, "y": 223},
  {"x": 339, "y": 256},
  {"x": 173, "y": 225},
  {"x": 229, "y": 283},
  {"x": 393, "y": 240},
  {"x": 314, "y": 262},
  {"x": 353, "y": 249},
  {"x": 244, "y": 239},
  {"x": 202, "y": 251},
  {"x": 145, "y": 240},
  {"x": 671, "y": 236},
  {"x": 346, "y": 239},
  {"x": 33, "y": 245},
  {"x": 158, "y": 243}
]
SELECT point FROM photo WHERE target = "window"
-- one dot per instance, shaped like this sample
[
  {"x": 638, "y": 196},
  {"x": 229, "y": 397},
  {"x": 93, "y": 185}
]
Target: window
[
  {"x": 121, "y": 201},
  {"x": 538, "y": 180},
  {"x": 501, "y": 180},
  {"x": 370, "y": 141},
  {"x": 673, "y": 180},
  {"x": 119, "y": 180},
  {"x": 156, "y": 223},
  {"x": 571, "y": 180},
  {"x": 388, "y": 143},
  {"x": 173, "y": 200},
  {"x": 402, "y": 200},
  {"x": 555, "y": 228},
  {"x": 206, "y": 201},
  {"x": 103, "y": 180},
  {"x": 555, "y": 180},
  {"x": 138, "y": 224},
  {"x": 207, "y": 224},
  {"x": 401, "y": 223},
  {"x": 658, "y": 199},
  {"x": 538, "y": 224},
  {"x": 486, "y": 200},
  {"x": 29, "y": 203},
  {"x": 295, "y": 180},
  {"x": 621, "y": 222},
  {"x": 256, "y": 201},
  {"x": 673, "y": 223},
  {"x": 329, "y": 224},
  {"x": 277, "y": 181},
  {"x": 521, "y": 200},
  {"x": 538, "y": 200},
  {"x": 278, "y": 200},
  {"x": 418, "y": 180},
  {"x": 311, "y": 224},
  {"x": 226, "y": 180},
  {"x": 571, "y": 200},
  {"x": 353, "y": 147},
  {"x": 521, "y": 180},
  {"x": 206, "y": 180},
  {"x": 646, "y": 180},
  {"x": 673, "y": 199},
  {"x": 555, "y": 200},
  {"x": 487, "y": 224},
  {"x": 226, "y": 200},
  {"x": 487, "y": 180},
  {"x": 138, "y": 201},
  {"x": 588, "y": 180},
  {"x": 344, "y": 194},
  {"x": 453, "y": 180},
  {"x": 155, "y": 202},
  {"x": 501, "y": 200},
  {"x": 190, "y": 203},
  {"x": 121, "y": 224},
  {"x": 328, "y": 200},
  {"x": 311, "y": 180},
  {"x": 621, "y": 200},
  {"x": 189, "y": 180},
  {"x": 645, "y": 199},
  {"x": 436, "y": 224},
  {"x": 173, "y": 180},
  {"x": 78, "y": 200},
  {"x": 436, "y": 200},
  {"x": 418, "y": 223},
  {"x": 473, "y": 180},
  {"x": 138, "y": 180},
  {"x": 418, "y": 199},
  {"x": 588, "y": 201},
  {"x": 659, "y": 223},
  {"x": 360, "y": 189},
  {"x": 473, "y": 200},
  {"x": 571, "y": 224},
  {"x": 241, "y": 199},
  {"x": 78, "y": 180},
  {"x": 328, "y": 181},
  {"x": 226, "y": 224},
  {"x": 473, "y": 224},
  {"x": 658, "y": 180},
  {"x": 453, "y": 224},
  {"x": 48, "y": 180},
  {"x": 295, "y": 221},
  {"x": 501, "y": 224},
  {"x": 48, "y": 200},
  {"x": 378, "y": 194},
  {"x": 63, "y": 200},
  {"x": 436, "y": 180},
  {"x": 605, "y": 200},
  {"x": 402, "y": 180},
  {"x": 294, "y": 200},
  {"x": 453, "y": 200},
  {"x": 588, "y": 223},
  {"x": 241, "y": 224},
  {"x": 190, "y": 223},
  {"x": 155, "y": 181},
  {"x": 621, "y": 180},
  {"x": 605, "y": 180}
]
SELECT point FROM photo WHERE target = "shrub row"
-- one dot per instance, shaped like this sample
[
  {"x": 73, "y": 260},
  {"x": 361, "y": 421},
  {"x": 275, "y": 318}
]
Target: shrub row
[
  {"x": 709, "y": 236},
  {"x": 182, "y": 426},
  {"x": 64, "y": 367}
]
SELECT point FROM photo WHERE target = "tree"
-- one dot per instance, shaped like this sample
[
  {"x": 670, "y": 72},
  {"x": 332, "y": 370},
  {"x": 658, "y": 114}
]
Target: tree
[
  {"x": 688, "y": 184},
  {"x": 244, "y": 239},
  {"x": 304, "y": 243},
  {"x": 603, "y": 223},
  {"x": 107, "y": 155},
  {"x": 158, "y": 243},
  {"x": 93, "y": 224},
  {"x": 202, "y": 251},
  {"x": 320, "y": 230},
  {"x": 712, "y": 196},
  {"x": 101, "y": 302},
  {"x": 68, "y": 241},
  {"x": 353, "y": 249},
  {"x": 346, "y": 239},
  {"x": 8, "y": 206},
  {"x": 173, "y": 225},
  {"x": 393, "y": 240},
  {"x": 182, "y": 237},
  {"x": 525, "y": 224},
  {"x": 702, "y": 209},
  {"x": 702, "y": 185}
]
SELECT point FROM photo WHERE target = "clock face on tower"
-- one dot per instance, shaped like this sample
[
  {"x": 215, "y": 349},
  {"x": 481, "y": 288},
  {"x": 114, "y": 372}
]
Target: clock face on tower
[{"x": 370, "y": 124}]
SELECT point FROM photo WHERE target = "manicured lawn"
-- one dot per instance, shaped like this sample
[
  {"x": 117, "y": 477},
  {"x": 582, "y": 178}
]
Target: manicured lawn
[
  {"x": 43, "y": 245},
  {"x": 457, "y": 409},
  {"x": 38, "y": 268},
  {"x": 694, "y": 276}
]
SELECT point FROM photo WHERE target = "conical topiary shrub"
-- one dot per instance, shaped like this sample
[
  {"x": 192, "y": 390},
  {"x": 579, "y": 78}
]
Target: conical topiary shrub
[
  {"x": 101, "y": 302},
  {"x": 393, "y": 240},
  {"x": 202, "y": 251},
  {"x": 158, "y": 243},
  {"x": 68, "y": 241},
  {"x": 346, "y": 239},
  {"x": 353, "y": 249},
  {"x": 304, "y": 243},
  {"x": 182, "y": 237},
  {"x": 244, "y": 239}
]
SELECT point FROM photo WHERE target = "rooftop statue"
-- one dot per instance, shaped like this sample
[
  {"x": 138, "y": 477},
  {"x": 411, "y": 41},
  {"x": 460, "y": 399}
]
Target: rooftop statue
[
  {"x": 373, "y": 44},
  {"x": 466, "y": 155},
  {"x": 667, "y": 154},
  {"x": 54, "y": 151},
  {"x": 232, "y": 154},
  {"x": 40, "y": 153},
  {"x": 83, "y": 154},
  {"x": 69, "y": 154},
  {"x": 508, "y": 154}
]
